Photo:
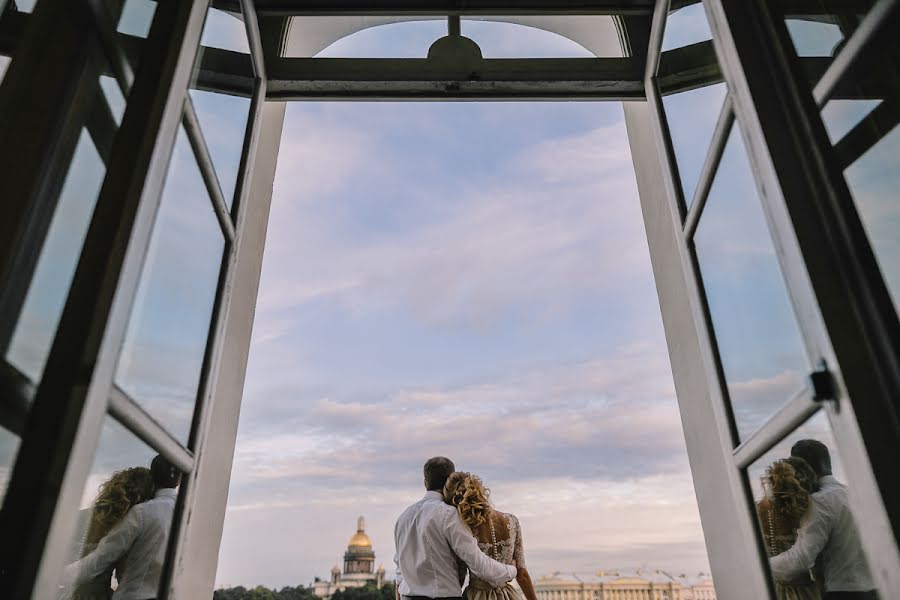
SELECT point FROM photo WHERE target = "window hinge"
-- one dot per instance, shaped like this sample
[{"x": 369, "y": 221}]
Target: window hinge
[{"x": 822, "y": 383}]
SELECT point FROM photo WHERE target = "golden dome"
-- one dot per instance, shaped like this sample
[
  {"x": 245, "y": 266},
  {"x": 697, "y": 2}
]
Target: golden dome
[{"x": 360, "y": 539}]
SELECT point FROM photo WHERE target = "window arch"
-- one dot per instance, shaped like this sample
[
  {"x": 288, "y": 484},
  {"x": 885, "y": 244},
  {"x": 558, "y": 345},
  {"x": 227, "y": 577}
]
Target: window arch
[{"x": 497, "y": 39}]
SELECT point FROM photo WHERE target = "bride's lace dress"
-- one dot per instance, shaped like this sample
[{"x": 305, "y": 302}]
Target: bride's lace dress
[
  {"x": 779, "y": 536},
  {"x": 503, "y": 542}
]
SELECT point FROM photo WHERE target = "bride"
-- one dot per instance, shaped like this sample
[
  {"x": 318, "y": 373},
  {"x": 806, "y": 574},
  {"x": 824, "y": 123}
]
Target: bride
[
  {"x": 499, "y": 536},
  {"x": 118, "y": 495},
  {"x": 789, "y": 484}
]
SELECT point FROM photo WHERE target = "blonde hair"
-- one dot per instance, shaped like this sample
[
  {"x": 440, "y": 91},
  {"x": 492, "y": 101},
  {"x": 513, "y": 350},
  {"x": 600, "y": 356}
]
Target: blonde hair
[
  {"x": 467, "y": 493},
  {"x": 791, "y": 482},
  {"x": 115, "y": 498}
]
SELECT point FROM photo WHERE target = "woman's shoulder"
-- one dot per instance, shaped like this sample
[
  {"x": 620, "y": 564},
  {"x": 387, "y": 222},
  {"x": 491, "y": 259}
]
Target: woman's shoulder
[{"x": 512, "y": 519}]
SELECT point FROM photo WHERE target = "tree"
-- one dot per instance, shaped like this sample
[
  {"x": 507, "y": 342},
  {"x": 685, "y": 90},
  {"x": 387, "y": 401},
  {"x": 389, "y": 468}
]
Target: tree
[
  {"x": 295, "y": 593},
  {"x": 261, "y": 593},
  {"x": 369, "y": 592},
  {"x": 235, "y": 593}
]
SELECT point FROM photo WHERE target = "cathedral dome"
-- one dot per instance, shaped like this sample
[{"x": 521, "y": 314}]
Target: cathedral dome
[{"x": 360, "y": 539}]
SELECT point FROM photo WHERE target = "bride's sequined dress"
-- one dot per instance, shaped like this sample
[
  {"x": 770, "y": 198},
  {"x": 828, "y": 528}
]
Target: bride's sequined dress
[{"x": 506, "y": 547}]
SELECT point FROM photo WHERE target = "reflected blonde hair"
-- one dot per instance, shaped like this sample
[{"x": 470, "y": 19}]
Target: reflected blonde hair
[
  {"x": 791, "y": 482},
  {"x": 115, "y": 498},
  {"x": 467, "y": 493}
]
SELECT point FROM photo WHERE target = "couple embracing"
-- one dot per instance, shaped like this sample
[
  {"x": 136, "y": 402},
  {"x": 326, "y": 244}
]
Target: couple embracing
[{"x": 453, "y": 528}]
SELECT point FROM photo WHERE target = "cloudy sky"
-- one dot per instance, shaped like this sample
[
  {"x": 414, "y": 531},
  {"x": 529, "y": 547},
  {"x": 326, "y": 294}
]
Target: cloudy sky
[{"x": 469, "y": 280}]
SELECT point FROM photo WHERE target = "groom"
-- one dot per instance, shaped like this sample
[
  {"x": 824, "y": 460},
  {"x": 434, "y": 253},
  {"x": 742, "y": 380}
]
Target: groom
[{"x": 429, "y": 536}]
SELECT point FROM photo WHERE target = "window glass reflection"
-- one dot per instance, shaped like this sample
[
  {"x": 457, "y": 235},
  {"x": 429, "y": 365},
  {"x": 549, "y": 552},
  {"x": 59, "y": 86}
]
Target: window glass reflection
[
  {"x": 223, "y": 120},
  {"x": 136, "y": 18},
  {"x": 165, "y": 342},
  {"x": 55, "y": 268},
  {"x": 692, "y": 118},
  {"x": 759, "y": 344},
  {"x": 814, "y": 37},
  {"x": 873, "y": 181},
  {"x": 4, "y": 62},
  {"x": 806, "y": 521},
  {"x": 686, "y": 26},
  {"x": 114, "y": 97},
  {"x": 496, "y": 39},
  {"x": 409, "y": 40},
  {"x": 510, "y": 40},
  {"x": 9, "y": 447},
  {"x": 225, "y": 31},
  {"x": 23, "y": 5},
  {"x": 841, "y": 116},
  {"x": 135, "y": 21},
  {"x": 123, "y": 521}
]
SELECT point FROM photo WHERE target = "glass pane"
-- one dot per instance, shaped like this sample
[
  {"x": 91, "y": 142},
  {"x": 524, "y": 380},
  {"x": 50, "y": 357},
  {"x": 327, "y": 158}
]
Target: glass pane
[
  {"x": 820, "y": 29},
  {"x": 165, "y": 343},
  {"x": 692, "y": 118},
  {"x": 225, "y": 31},
  {"x": 123, "y": 521},
  {"x": 137, "y": 15},
  {"x": 873, "y": 181},
  {"x": 495, "y": 38},
  {"x": 686, "y": 26},
  {"x": 814, "y": 38},
  {"x": 509, "y": 40},
  {"x": 395, "y": 40},
  {"x": 49, "y": 287},
  {"x": 9, "y": 447},
  {"x": 23, "y": 5},
  {"x": 135, "y": 21},
  {"x": 798, "y": 488},
  {"x": 759, "y": 344},
  {"x": 841, "y": 116},
  {"x": 861, "y": 123},
  {"x": 4, "y": 62},
  {"x": 223, "y": 120},
  {"x": 114, "y": 97}
]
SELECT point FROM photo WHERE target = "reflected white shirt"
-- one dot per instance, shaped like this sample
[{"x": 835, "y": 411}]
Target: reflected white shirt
[
  {"x": 136, "y": 546},
  {"x": 429, "y": 536},
  {"x": 829, "y": 533}
]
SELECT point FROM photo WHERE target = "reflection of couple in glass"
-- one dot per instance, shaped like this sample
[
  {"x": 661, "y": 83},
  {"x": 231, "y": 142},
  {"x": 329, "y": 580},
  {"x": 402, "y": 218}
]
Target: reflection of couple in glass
[
  {"x": 127, "y": 533},
  {"x": 809, "y": 530}
]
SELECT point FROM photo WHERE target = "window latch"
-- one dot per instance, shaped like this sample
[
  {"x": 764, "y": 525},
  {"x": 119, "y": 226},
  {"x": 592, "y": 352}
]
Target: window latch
[{"x": 822, "y": 383}]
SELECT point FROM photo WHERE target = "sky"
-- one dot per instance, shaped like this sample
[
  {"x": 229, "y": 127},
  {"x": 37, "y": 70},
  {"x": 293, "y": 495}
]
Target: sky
[
  {"x": 469, "y": 280},
  {"x": 464, "y": 279}
]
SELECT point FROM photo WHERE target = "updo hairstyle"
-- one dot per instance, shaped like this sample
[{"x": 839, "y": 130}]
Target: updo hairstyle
[{"x": 467, "y": 493}]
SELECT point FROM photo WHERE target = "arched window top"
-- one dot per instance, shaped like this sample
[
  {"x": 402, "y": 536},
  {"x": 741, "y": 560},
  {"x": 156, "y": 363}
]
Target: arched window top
[
  {"x": 411, "y": 39},
  {"x": 408, "y": 39}
]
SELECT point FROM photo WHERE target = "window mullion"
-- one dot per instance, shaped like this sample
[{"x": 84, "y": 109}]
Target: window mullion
[
  {"x": 130, "y": 414},
  {"x": 251, "y": 22},
  {"x": 710, "y": 166},
  {"x": 794, "y": 413},
  {"x": 207, "y": 169},
  {"x": 875, "y": 23}
]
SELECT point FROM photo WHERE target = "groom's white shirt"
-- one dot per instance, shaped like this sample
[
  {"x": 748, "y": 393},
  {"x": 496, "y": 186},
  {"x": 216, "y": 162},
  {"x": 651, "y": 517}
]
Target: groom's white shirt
[{"x": 429, "y": 536}]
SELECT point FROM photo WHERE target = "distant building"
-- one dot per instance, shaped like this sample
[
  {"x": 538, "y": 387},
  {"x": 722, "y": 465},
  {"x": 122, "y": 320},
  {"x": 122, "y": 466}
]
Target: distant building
[
  {"x": 359, "y": 567},
  {"x": 622, "y": 584}
]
